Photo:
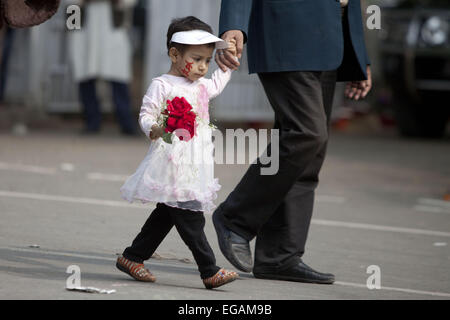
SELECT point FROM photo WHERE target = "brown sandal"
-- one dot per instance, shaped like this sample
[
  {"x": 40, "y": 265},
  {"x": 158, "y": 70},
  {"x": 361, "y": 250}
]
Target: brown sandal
[
  {"x": 220, "y": 278},
  {"x": 135, "y": 270}
]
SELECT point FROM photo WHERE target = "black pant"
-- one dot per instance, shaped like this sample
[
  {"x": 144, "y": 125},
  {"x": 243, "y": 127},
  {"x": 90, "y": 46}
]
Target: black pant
[
  {"x": 189, "y": 224},
  {"x": 91, "y": 105},
  {"x": 277, "y": 209}
]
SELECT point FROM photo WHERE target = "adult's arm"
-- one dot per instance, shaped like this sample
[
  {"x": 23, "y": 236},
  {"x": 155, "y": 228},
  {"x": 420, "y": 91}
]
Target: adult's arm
[
  {"x": 235, "y": 15},
  {"x": 359, "y": 89},
  {"x": 233, "y": 25}
]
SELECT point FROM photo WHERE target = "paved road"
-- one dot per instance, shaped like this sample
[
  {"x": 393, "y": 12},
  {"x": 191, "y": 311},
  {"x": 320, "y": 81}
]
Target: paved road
[{"x": 379, "y": 204}]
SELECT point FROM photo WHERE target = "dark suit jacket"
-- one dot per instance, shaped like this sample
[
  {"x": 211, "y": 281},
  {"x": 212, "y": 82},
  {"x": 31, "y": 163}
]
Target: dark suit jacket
[{"x": 299, "y": 35}]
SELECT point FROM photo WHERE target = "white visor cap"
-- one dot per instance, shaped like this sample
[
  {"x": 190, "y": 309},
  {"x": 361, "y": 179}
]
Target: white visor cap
[{"x": 198, "y": 37}]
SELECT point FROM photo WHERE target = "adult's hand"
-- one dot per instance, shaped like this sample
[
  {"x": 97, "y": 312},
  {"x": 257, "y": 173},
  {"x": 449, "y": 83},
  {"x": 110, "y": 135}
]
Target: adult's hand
[
  {"x": 224, "y": 58},
  {"x": 359, "y": 89}
]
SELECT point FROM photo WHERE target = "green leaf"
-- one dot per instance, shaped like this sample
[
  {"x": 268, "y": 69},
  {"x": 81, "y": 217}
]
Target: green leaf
[{"x": 167, "y": 137}]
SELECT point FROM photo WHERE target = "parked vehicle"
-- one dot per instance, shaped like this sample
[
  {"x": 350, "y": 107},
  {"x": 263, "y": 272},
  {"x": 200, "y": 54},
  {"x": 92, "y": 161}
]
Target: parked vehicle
[{"x": 415, "y": 62}]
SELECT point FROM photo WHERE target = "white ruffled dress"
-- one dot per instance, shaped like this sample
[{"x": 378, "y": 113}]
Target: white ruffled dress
[{"x": 180, "y": 174}]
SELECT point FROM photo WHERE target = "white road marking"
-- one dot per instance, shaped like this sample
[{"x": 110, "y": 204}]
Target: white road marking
[
  {"x": 434, "y": 202},
  {"x": 47, "y": 197},
  {"x": 430, "y": 209},
  {"x": 74, "y": 255},
  {"x": 432, "y": 205},
  {"x": 67, "y": 167},
  {"x": 440, "y": 244},
  {"x": 106, "y": 177},
  {"x": 112, "y": 259},
  {"x": 112, "y": 203},
  {"x": 374, "y": 227},
  {"x": 424, "y": 204},
  {"x": 26, "y": 168}
]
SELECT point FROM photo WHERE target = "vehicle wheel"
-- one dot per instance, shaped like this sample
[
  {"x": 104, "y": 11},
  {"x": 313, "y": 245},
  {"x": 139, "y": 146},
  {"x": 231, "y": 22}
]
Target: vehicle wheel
[{"x": 421, "y": 120}]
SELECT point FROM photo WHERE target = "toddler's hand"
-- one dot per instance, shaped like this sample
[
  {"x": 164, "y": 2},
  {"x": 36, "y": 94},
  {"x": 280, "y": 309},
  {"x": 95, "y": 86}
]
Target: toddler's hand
[
  {"x": 156, "y": 132},
  {"x": 232, "y": 47}
]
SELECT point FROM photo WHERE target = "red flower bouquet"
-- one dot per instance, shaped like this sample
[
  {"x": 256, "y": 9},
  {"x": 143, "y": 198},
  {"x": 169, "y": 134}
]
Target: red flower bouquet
[{"x": 179, "y": 115}]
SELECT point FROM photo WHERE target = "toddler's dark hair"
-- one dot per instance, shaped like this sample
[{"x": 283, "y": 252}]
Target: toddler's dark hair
[{"x": 185, "y": 24}]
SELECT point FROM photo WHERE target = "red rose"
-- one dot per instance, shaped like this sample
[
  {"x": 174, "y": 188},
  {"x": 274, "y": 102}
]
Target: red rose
[
  {"x": 180, "y": 116},
  {"x": 179, "y": 105}
]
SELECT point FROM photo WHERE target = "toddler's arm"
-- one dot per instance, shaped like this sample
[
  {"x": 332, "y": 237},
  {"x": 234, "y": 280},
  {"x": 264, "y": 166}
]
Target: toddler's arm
[
  {"x": 151, "y": 108},
  {"x": 219, "y": 78}
]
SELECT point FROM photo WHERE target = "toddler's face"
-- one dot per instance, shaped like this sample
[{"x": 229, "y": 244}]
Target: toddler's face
[{"x": 193, "y": 63}]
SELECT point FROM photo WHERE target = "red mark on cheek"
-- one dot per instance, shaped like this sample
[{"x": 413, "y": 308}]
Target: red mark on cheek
[{"x": 187, "y": 68}]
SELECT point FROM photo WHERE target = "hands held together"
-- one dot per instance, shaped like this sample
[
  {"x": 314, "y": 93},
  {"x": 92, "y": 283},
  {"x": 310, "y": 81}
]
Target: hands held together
[{"x": 226, "y": 59}]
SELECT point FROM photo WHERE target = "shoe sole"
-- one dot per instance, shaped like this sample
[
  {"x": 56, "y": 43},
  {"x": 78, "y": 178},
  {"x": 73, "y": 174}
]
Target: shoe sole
[
  {"x": 230, "y": 257},
  {"x": 125, "y": 270},
  {"x": 288, "y": 278}
]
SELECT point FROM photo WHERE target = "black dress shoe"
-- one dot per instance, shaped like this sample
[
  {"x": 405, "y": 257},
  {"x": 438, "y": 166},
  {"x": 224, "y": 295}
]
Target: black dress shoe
[
  {"x": 235, "y": 248},
  {"x": 299, "y": 272}
]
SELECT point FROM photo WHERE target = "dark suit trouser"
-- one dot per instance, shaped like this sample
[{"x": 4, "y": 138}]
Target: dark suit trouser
[
  {"x": 189, "y": 224},
  {"x": 277, "y": 209}
]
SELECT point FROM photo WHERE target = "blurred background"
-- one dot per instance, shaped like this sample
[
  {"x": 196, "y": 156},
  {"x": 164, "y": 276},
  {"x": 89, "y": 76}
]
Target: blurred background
[
  {"x": 384, "y": 192},
  {"x": 410, "y": 60}
]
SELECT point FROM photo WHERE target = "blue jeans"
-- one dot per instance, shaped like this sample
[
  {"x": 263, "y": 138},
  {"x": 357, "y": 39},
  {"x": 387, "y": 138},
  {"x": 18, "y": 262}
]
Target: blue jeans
[{"x": 91, "y": 105}]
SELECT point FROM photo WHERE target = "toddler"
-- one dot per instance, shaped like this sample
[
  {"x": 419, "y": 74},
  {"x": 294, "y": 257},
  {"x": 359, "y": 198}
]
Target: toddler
[{"x": 178, "y": 170}]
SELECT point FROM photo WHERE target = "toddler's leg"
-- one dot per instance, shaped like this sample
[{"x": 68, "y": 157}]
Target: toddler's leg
[
  {"x": 152, "y": 234},
  {"x": 190, "y": 226}
]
